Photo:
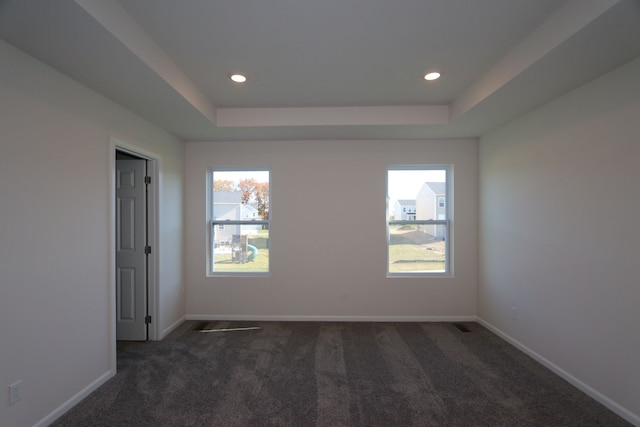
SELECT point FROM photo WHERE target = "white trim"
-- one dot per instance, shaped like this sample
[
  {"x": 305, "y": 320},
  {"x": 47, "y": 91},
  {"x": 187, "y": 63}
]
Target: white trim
[
  {"x": 211, "y": 222},
  {"x": 332, "y": 116},
  {"x": 449, "y": 221},
  {"x": 75, "y": 399},
  {"x": 287, "y": 318},
  {"x": 585, "y": 388},
  {"x": 113, "y": 355},
  {"x": 171, "y": 327}
]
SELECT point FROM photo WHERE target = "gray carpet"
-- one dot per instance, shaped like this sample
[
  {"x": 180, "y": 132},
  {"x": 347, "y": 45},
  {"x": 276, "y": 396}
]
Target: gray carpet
[{"x": 333, "y": 374}]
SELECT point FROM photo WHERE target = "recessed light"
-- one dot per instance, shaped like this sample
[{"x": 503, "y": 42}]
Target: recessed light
[
  {"x": 432, "y": 76},
  {"x": 238, "y": 78}
]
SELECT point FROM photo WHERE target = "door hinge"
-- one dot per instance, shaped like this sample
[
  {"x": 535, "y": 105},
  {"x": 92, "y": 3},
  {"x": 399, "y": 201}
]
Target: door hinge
[
  {"x": 147, "y": 250},
  {"x": 147, "y": 320},
  {"x": 147, "y": 180}
]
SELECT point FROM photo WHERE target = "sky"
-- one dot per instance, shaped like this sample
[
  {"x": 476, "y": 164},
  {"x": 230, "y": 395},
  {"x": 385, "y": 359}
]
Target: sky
[
  {"x": 236, "y": 176},
  {"x": 405, "y": 184}
]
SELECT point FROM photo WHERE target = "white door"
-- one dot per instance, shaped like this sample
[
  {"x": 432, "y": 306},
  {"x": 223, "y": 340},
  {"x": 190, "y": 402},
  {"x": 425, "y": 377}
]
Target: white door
[{"x": 131, "y": 250}]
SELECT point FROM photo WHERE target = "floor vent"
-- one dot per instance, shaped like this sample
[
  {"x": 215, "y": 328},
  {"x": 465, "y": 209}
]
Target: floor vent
[{"x": 461, "y": 327}]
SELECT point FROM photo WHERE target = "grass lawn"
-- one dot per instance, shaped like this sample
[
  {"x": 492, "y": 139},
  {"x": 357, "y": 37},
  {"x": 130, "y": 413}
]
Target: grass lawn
[
  {"x": 413, "y": 251},
  {"x": 224, "y": 263},
  {"x": 410, "y": 251}
]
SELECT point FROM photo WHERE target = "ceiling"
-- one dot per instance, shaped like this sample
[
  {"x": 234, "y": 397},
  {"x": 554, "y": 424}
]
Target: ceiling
[{"x": 327, "y": 69}]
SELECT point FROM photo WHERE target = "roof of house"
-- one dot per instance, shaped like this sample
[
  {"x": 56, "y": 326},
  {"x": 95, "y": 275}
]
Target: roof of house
[
  {"x": 407, "y": 202},
  {"x": 220, "y": 197},
  {"x": 437, "y": 187}
]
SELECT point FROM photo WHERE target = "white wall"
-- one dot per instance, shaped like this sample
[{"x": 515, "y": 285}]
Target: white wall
[
  {"x": 55, "y": 306},
  {"x": 328, "y": 232},
  {"x": 560, "y": 237}
]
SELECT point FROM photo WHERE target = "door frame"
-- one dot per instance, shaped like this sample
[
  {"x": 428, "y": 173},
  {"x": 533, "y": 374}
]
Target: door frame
[{"x": 153, "y": 221}]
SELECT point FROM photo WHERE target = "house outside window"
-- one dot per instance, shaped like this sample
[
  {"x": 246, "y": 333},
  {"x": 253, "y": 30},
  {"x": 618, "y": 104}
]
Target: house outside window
[
  {"x": 404, "y": 209},
  {"x": 418, "y": 221},
  {"x": 239, "y": 222}
]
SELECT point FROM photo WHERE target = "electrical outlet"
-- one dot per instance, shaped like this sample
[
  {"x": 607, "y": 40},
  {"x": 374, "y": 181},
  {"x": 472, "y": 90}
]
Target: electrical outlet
[
  {"x": 514, "y": 313},
  {"x": 345, "y": 295},
  {"x": 15, "y": 392}
]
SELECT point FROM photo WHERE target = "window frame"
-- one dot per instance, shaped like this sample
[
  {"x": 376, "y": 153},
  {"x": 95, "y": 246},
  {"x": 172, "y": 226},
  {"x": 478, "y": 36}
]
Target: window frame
[
  {"x": 447, "y": 222},
  {"x": 212, "y": 224}
]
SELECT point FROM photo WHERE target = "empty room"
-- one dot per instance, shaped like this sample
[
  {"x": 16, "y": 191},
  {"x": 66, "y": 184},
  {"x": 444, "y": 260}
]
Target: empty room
[{"x": 323, "y": 213}]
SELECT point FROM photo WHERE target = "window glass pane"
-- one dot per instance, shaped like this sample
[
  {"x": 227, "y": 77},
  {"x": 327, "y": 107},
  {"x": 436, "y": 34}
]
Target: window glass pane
[
  {"x": 248, "y": 189},
  {"x": 416, "y": 191},
  {"x": 415, "y": 248},
  {"x": 244, "y": 251},
  {"x": 417, "y": 195},
  {"x": 241, "y": 197}
]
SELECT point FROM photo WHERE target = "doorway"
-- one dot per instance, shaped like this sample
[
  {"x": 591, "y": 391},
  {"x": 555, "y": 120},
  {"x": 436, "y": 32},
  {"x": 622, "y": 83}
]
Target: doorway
[{"x": 135, "y": 212}]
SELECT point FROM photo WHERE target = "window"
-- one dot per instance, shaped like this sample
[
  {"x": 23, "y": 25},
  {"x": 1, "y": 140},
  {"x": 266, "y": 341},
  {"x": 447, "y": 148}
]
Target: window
[
  {"x": 419, "y": 244},
  {"x": 240, "y": 219}
]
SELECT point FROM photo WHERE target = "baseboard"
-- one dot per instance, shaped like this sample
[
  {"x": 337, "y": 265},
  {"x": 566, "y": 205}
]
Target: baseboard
[
  {"x": 62, "y": 409},
  {"x": 588, "y": 390},
  {"x": 171, "y": 327},
  {"x": 276, "y": 318}
]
